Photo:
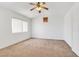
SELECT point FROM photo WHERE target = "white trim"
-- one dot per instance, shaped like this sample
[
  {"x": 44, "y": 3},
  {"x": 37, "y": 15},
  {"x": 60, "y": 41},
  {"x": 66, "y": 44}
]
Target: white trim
[
  {"x": 76, "y": 51},
  {"x": 47, "y": 38},
  {"x": 68, "y": 43}
]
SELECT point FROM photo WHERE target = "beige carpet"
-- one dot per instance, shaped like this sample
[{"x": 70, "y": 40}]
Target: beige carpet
[{"x": 39, "y": 48}]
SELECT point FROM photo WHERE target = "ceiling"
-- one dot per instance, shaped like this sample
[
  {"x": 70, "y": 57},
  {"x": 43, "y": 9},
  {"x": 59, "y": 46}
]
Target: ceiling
[{"x": 57, "y": 8}]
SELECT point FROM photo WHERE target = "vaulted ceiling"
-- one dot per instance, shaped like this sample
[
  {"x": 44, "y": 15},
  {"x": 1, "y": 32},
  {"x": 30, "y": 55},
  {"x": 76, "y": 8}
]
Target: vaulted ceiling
[{"x": 56, "y": 8}]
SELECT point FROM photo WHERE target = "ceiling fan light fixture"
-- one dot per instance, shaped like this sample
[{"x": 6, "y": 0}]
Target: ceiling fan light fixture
[{"x": 39, "y": 6}]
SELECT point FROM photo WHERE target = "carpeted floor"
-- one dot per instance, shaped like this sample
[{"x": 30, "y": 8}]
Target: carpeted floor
[{"x": 38, "y": 48}]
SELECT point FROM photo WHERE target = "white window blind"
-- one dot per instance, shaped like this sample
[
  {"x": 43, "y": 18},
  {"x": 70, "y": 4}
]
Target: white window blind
[
  {"x": 19, "y": 26},
  {"x": 25, "y": 26}
]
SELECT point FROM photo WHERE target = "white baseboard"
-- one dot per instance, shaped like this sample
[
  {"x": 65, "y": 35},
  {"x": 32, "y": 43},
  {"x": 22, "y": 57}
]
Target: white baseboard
[
  {"x": 75, "y": 51},
  {"x": 68, "y": 43},
  {"x": 56, "y": 38},
  {"x": 46, "y": 38}
]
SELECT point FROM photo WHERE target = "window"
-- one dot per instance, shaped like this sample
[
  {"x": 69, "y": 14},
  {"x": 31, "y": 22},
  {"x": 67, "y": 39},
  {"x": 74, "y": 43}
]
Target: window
[
  {"x": 19, "y": 26},
  {"x": 25, "y": 26}
]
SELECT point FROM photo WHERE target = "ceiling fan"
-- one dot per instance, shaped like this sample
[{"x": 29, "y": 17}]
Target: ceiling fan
[{"x": 38, "y": 6}]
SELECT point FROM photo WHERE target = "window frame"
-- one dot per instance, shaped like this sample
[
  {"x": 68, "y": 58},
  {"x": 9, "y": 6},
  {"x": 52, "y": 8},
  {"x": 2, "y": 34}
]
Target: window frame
[{"x": 16, "y": 31}]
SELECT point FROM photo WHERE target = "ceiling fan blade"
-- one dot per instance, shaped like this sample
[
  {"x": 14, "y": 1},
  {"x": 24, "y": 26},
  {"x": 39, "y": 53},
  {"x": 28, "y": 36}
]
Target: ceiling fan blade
[
  {"x": 32, "y": 9},
  {"x": 40, "y": 11},
  {"x": 45, "y": 8},
  {"x": 43, "y": 2},
  {"x": 31, "y": 3},
  {"x": 38, "y": 3}
]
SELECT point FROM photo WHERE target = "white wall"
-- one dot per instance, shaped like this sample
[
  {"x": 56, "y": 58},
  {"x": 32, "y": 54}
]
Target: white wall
[
  {"x": 68, "y": 34},
  {"x": 6, "y": 36},
  {"x": 72, "y": 28},
  {"x": 54, "y": 29},
  {"x": 76, "y": 29},
  {"x": 51, "y": 30}
]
